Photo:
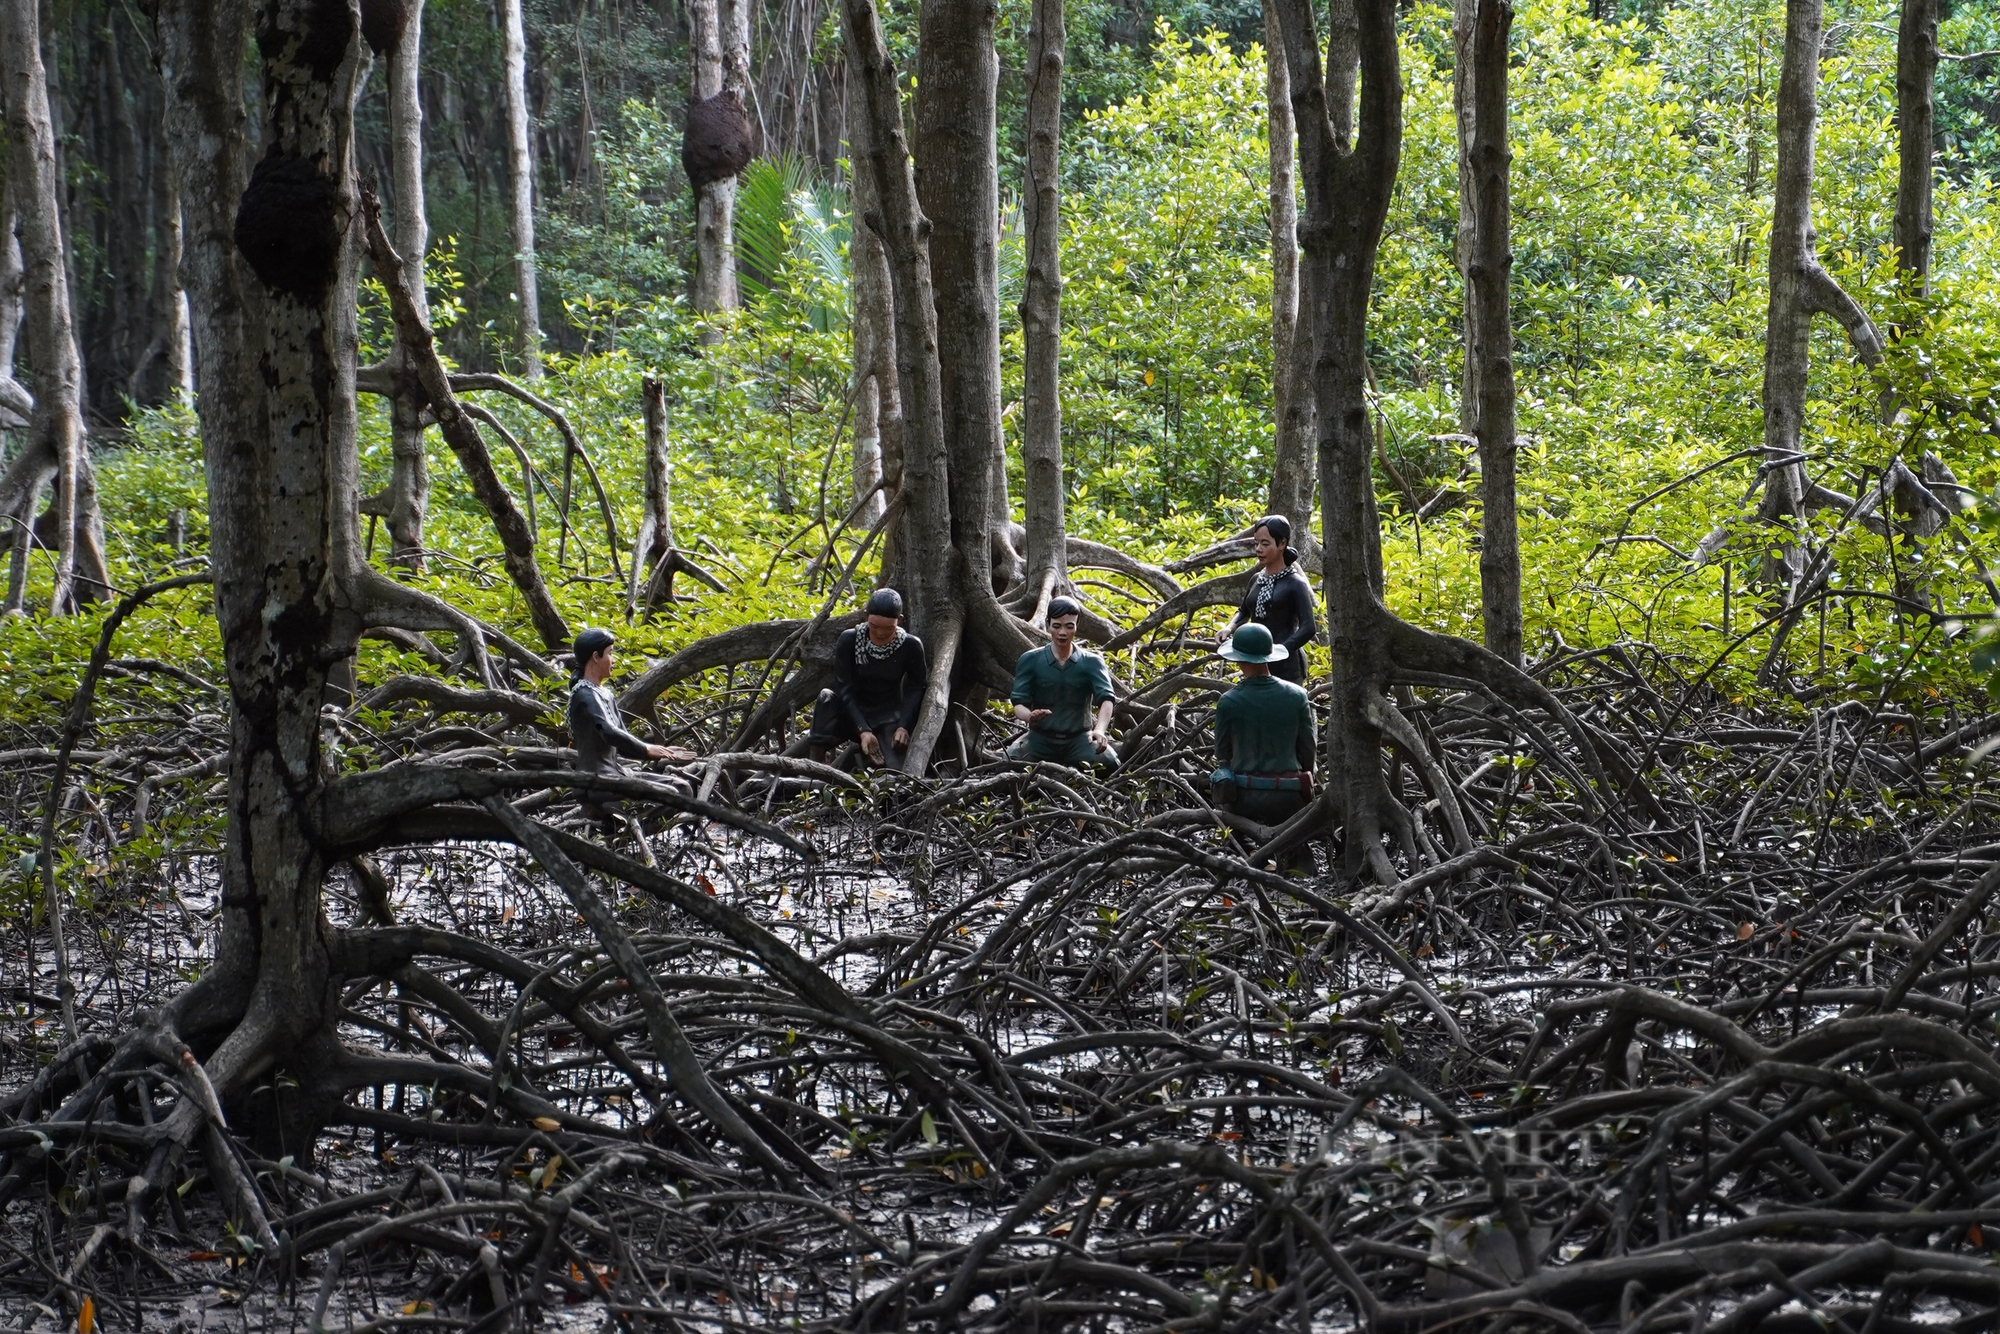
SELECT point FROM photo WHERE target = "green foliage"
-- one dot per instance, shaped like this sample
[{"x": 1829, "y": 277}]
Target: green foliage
[
  {"x": 1166, "y": 304},
  {"x": 614, "y": 246},
  {"x": 1968, "y": 88},
  {"x": 1643, "y": 163},
  {"x": 140, "y": 487},
  {"x": 791, "y": 241}
]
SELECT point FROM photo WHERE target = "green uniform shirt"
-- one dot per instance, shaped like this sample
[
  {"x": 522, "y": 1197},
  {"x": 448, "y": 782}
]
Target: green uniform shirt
[
  {"x": 1264, "y": 726},
  {"x": 1070, "y": 690}
]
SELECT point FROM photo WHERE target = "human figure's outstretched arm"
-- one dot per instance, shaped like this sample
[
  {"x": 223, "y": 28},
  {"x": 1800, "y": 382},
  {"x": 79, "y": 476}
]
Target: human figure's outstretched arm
[{"x": 596, "y": 713}]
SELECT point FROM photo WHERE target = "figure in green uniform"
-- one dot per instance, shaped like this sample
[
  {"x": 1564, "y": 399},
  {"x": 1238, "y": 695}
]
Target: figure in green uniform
[
  {"x": 1055, "y": 689},
  {"x": 1263, "y": 735}
]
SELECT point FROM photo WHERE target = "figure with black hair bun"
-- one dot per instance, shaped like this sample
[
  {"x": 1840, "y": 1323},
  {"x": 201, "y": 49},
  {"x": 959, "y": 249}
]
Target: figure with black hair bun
[
  {"x": 1280, "y": 599},
  {"x": 1055, "y": 690},
  {"x": 879, "y": 674},
  {"x": 594, "y": 728}
]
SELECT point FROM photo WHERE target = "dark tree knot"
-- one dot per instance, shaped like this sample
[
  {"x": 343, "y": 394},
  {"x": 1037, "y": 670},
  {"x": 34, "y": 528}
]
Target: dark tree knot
[
  {"x": 289, "y": 227},
  {"x": 318, "y": 38},
  {"x": 715, "y": 143}
]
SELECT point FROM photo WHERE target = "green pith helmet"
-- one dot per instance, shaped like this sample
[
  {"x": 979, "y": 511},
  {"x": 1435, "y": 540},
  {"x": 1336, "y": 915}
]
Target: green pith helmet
[{"x": 1252, "y": 643}]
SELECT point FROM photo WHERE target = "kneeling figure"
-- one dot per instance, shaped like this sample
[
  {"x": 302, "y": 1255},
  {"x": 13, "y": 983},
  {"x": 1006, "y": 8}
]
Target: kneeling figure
[
  {"x": 1264, "y": 748},
  {"x": 1054, "y": 689}
]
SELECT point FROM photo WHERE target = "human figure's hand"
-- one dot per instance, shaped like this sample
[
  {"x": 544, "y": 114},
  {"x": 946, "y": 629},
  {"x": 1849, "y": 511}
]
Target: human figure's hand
[
  {"x": 1099, "y": 739},
  {"x": 1036, "y": 715},
  {"x": 902, "y": 737},
  {"x": 658, "y": 753},
  {"x": 871, "y": 746}
]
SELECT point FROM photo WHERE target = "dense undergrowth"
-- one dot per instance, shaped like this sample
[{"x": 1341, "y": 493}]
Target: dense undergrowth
[{"x": 1640, "y": 210}]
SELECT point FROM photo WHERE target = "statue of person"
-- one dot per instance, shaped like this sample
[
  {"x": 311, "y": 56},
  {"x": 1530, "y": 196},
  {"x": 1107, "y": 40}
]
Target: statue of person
[
  {"x": 594, "y": 728},
  {"x": 1280, "y": 598},
  {"x": 879, "y": 674},
  {"x": 1056, "y": 688},
  {"x": 1264, "y": 746}
]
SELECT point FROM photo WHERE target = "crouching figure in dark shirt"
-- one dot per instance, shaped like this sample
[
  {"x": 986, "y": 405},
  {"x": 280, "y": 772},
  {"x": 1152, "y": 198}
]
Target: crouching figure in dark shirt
[
  {"x": 879, "y": 673},
  {"x": 1280, "y": 599},
  {"x": 594, "y": 728},
  {"x": 1263, "y": 736},
  {"x": 1064, "y": 694}
]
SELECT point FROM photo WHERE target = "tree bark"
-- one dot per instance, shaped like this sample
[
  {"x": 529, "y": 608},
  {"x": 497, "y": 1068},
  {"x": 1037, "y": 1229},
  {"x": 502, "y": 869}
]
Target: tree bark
[
  {"x": 1464, "y": 88},
  {"x": 654, "y": 546},
  {"x": 1291, "y": 356},
  {"x": 878, "y": 408},
  {"x": 1800, "y": 286},
  {"x": 1041, "y": 316},
  {"x": 176, "y": 339},
  {"x": 905, "y": 234},
  {"x": 720, "y": 36},
  {"x": 865, "y": 473},
  {"x": 17, "y": 406},
  {"x": 659, "y": 472},
  {"x": 1347, "y": 198},
  {"x": 1916, "y": 84},
  {"x": 521, "y": 189},
  {"x": 1489, "y": 277},
  {"x": 409, "y": 480},
  {"x": 1347, "y": 193},
  {"x": 958, "y": 185},
  {"x": 15, "y": 402},
  {"x": 55, "y": 429},
  {"x": 943, "y": 557},
  {"x": 1343, "y": 69},
  {"x": 272, "y": 293},
  {"x": 118, "y": 354}
]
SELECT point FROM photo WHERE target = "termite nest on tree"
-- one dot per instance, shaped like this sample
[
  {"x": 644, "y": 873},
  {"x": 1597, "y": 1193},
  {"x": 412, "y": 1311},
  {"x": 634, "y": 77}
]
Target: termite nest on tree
[
  {"x": 716, "y": 142},
  {"x": 327, "y": 32},
  {"x": 289, "y": 227},
  {"x": 382, "y": 24}
]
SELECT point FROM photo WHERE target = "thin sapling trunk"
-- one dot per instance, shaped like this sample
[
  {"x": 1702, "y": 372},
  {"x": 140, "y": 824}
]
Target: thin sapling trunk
[
  {"x": 1916, "y": 123},
  {"x": 409, "y": 481},
  {"x": 1800, "y": 287},
  {"x": 521, "y": 188},
  {"x": 1291, "y": 355},
  {"x": 55, "y": 430},
  {"x": 878, "y": 411},
  {"x": 1490, "y": 309},
  {"x": 1041, "y": 316}
]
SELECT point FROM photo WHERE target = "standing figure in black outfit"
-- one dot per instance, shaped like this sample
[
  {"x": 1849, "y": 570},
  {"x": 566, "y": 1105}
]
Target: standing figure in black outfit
[
  {"x": 879, "y": 672},
  {"x": 1280, "y": 598}
]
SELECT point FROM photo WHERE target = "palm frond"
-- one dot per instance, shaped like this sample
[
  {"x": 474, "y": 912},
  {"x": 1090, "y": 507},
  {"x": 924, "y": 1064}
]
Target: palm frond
[{"x": 763, "y": 209}]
